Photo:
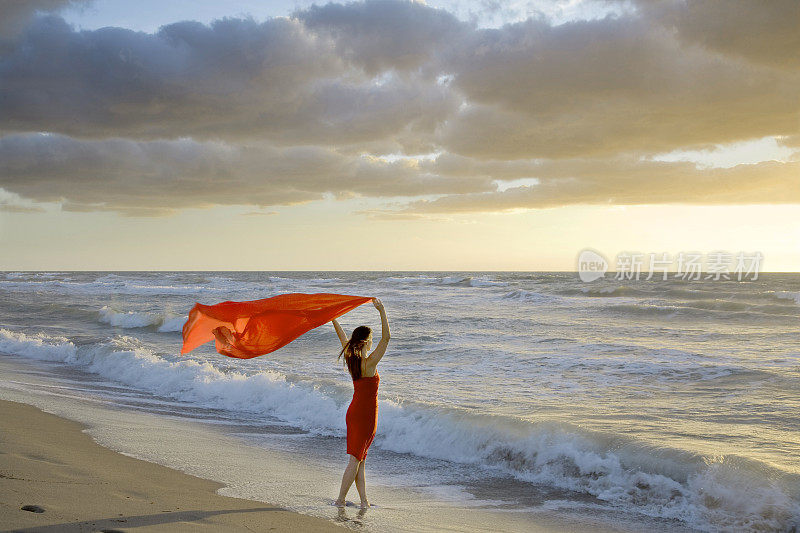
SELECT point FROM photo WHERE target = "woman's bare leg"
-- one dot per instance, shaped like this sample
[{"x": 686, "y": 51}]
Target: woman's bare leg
[
  {"x": 347, "y": 479},
  {"x": 361, "y": 485}
]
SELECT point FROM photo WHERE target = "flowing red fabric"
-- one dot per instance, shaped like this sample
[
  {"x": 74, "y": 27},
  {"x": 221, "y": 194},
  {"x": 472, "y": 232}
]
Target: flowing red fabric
[{"x": 257, "y": 327}]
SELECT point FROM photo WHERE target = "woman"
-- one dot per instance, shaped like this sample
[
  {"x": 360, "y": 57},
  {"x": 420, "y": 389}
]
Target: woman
[{"x": 362, "y": 415}]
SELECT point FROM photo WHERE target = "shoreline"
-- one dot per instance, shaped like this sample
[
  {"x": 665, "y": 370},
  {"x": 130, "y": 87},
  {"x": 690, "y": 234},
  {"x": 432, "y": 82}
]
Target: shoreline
[
  {"x": 40, "y": 443},
  {"x": 50, "y": 462}
]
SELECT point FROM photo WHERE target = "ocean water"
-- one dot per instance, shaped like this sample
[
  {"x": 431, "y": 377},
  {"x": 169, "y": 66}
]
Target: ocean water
[{"x": 506, "y": 398}]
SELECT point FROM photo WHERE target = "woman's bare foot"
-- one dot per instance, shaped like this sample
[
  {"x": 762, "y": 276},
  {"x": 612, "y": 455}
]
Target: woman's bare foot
[
  {"x": 365, "y": 504},
  {"x": 338, "y": 503}
]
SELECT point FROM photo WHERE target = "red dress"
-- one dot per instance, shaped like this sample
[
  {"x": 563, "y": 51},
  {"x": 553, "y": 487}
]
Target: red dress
[{"x": 362, "y": 416}]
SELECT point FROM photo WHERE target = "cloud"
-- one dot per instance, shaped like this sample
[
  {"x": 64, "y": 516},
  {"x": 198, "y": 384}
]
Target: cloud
[
  {"x": 287, "y": 110},
  {"x": 762, "y": 32},
  {"x": 260, "y": 213},
  {"x": 623, "y": 181},
  {"x": 15, "y": 14},
  {"x": 236, "y": 80},
  {"x": 792, "y": 141},
  {"x": 592, "y": 88},
  {"x": 14, "y": 208},
  {"x": 12, "y": 203},
  {"x": 366, "y": 72},
  {"x": 384, "y": 34},
  {"x": 154, "y": 178}
]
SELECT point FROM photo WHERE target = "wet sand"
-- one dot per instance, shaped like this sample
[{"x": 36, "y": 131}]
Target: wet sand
[{"x": 47, "y": 462}]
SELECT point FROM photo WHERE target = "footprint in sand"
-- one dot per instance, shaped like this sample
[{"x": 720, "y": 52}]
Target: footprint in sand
[{"x": 32, "y": 508}]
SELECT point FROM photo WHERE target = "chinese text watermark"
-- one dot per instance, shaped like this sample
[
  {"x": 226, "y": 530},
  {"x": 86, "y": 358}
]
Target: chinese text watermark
[{"x": 719, "y": 265}]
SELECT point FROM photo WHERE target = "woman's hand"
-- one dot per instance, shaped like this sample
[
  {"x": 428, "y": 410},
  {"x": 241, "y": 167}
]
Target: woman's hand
[{"x": 377, "y": 303}]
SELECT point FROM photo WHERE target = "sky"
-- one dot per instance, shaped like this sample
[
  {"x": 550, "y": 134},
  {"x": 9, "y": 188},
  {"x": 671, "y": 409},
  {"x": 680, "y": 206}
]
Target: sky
[{"x": 396, "y": 135}]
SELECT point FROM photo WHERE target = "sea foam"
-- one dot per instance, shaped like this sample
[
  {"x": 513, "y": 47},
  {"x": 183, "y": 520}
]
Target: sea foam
[
  {"x": 708, "y": 493},
  {"x": 134, "y": 319}
]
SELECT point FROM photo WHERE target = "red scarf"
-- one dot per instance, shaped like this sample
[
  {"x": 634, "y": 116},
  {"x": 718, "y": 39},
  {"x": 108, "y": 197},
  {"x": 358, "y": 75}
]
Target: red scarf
[{"x": 257, "y": 327}]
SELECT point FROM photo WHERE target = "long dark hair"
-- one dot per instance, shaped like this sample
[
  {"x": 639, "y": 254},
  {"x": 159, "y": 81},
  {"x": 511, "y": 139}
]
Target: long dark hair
[{"x": 353, "y": 348}]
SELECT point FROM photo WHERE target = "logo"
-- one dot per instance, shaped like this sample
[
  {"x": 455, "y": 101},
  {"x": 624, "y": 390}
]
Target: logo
[{"x": 591, "y": 265}]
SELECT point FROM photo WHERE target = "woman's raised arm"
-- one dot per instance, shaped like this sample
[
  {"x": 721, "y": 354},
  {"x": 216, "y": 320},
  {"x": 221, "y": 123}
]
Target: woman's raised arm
[
  {"x": 379, "y": 350},
  {"x": 340, "y": 332}
]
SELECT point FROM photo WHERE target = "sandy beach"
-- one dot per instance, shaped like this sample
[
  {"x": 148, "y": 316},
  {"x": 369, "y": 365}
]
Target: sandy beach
[{"x": 47, "y": 461}]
